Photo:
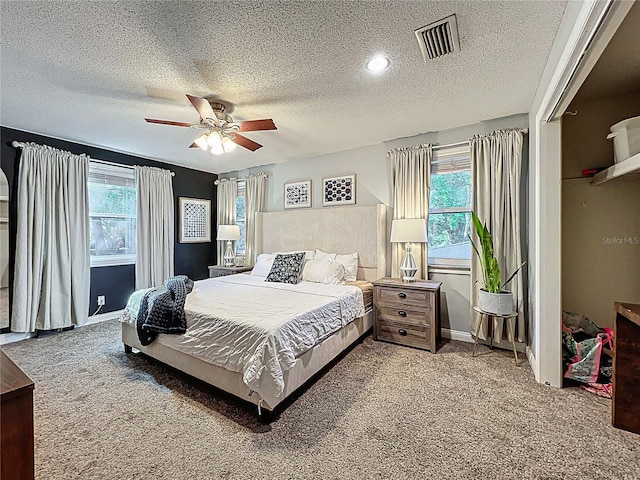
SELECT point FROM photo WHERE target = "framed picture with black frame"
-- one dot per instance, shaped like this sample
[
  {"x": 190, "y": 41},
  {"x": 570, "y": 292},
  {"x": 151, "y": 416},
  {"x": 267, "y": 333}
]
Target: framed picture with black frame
[
  {"x": 339, "y": 190},
  {"x": 194, "y": 220}
]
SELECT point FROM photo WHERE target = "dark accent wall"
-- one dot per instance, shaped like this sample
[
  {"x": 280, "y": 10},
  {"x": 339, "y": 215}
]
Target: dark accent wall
[{"x": 117, "y": 283}]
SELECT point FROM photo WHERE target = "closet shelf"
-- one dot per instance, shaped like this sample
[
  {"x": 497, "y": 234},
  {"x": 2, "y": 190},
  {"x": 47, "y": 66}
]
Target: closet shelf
[{"x": 630, "y": 165}]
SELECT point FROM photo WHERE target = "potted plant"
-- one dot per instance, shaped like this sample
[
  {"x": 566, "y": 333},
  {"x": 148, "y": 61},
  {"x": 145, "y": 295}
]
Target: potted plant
[{"x": 491, "y": 298}]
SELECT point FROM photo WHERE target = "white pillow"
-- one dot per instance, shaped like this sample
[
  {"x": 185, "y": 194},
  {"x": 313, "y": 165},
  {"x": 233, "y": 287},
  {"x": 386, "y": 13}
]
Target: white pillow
[
  {"x": 320, "y": 255},
  {"x": 350, "y": 264},
  {"x": 263, "y": 265},
  {"x": 349, "y": 261},
  {"x": 323, "y": 271},
  {"x": 264, "y": 262},
  {"x": 308, "y": 254}
]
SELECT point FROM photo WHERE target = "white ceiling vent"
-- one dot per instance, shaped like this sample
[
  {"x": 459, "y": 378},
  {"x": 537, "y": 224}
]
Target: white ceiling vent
[{"x": 439, "y": 38}]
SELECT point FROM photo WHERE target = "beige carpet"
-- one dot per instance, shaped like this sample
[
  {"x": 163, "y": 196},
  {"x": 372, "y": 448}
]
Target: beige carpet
[{"x": 382, "y": 412}]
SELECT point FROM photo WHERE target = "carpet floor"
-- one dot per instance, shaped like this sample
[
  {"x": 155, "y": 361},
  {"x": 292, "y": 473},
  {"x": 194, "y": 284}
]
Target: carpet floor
[{"x": 381, "y": 412}]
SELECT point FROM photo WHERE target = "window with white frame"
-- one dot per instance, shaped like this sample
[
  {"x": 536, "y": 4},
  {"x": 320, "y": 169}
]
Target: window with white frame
[
  {"x": 240, "y": 218},
  {"x": 112, "y": 214},
  {"x": 450, "y": 208}
]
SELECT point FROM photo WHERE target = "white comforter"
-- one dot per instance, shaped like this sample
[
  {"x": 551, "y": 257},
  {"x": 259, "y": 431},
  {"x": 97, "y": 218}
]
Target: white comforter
[{"x": 245, "y": 324}]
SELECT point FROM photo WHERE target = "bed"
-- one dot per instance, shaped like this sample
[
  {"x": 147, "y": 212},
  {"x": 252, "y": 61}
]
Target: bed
[{"x": 340, "y": 322}]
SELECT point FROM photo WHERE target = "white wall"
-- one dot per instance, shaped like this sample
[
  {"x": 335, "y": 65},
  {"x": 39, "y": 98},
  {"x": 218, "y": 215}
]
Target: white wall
[{"x": 373, "y": 178}]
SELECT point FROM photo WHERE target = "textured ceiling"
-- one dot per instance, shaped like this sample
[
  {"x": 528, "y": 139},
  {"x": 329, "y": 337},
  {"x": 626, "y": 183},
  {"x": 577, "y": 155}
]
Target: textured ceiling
[{"x": 91, "y": 71}]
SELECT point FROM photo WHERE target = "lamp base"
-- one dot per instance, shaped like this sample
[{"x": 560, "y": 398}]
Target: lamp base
[
  {"x": 229, "y": 256},
  {"x": 408, "y": 267}
]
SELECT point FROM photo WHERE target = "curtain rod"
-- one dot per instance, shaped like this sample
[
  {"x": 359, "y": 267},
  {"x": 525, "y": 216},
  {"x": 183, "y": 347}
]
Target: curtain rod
[
  {"x": 449, "y": 145},
  {"x": 260, "y": 174},
  {"x": 17, "y": 144},
  {"x": 457, "y": 144}
]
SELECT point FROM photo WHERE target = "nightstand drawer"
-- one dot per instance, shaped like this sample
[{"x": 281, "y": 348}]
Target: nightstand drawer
[
  {"x": 411, "y": 335},
  {"x": 407, "y": 313},
  {"x": 402, "y": 296},
  {"x": 400, "y": 313}
]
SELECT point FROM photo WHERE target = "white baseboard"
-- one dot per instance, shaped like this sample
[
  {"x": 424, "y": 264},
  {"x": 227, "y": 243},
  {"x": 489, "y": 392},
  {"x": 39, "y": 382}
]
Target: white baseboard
[
  {"x": 14, "y": 337},
  {"x": 103, "y": 317},
  {"x": 456, "y": 335},
  {"x": 533, "y": 363},
  {"x": 467, "y": 337}
]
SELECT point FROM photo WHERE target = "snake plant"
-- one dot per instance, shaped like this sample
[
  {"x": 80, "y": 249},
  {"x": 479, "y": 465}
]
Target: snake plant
[{"x": 492, "y": 279}]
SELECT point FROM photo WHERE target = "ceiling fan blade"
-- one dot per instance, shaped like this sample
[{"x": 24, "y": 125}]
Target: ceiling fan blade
[
  {"x": 168, "y": 122},
  {"x": 255, "y": 125},
  {"x": 204, "y": 108},
  {"x": 194, "y": 145},
  {"x": 246, "y": 143}
]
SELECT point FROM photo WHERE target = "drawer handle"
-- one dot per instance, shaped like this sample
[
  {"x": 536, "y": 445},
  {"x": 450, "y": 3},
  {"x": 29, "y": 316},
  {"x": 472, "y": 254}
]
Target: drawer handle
[
  {"x": 402, "y": 331},
  {"x": 402, "y": 313},
  {"x": 402, "y": 295}
]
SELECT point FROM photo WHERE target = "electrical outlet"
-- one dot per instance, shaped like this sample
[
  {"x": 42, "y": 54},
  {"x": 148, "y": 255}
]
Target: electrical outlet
[{"x": 101, "y": 300}]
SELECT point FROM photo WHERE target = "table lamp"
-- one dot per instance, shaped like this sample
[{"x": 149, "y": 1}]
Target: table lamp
[
  {"x": 409, "y": 230},
  {"x": 228, "y": 233}
]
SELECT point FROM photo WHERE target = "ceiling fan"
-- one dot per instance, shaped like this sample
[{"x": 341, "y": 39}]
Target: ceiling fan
[{"x": 221, "y": 133}]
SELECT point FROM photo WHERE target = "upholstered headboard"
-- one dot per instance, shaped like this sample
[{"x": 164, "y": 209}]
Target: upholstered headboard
[{"x": 339, "y": 230}]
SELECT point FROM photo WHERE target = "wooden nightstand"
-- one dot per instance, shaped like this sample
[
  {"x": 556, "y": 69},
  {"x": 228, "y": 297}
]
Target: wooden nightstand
[
  {"x": 220, "y": 271},
  {"x": 407, "y": 313}
]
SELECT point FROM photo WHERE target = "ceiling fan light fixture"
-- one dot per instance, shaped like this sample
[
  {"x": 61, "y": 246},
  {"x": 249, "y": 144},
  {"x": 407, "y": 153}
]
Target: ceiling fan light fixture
[
  {"x": 202, "y": 141},
  {"x": 214, "y": 139},
  {"x": 378, "y": 64},
  {"x": 220, "y": 136},
  {"x": 228, "y": 144},
  {"x": 217, "y": 150}
]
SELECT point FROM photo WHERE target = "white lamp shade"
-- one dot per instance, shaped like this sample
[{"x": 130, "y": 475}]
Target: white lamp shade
[
  {"x": 228, "y": 232},
  {"x": 202, "y": 142},
  {"x": 409, "y": 230}
]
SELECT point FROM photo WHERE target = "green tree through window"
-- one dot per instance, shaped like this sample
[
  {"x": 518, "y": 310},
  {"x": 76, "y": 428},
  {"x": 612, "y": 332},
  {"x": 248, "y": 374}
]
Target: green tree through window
[{"x": 450, "y": 208}]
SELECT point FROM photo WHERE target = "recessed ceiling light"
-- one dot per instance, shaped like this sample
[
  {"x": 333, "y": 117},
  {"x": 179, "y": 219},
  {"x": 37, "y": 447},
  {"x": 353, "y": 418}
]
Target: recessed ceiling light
[{"x": 377, "y": 63}]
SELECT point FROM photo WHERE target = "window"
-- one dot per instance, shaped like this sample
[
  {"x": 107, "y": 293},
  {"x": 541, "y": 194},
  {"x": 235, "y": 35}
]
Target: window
[
  {"x": 112, "y": 214},
  {"x": 450, "y": 208},
  {"x": 240, "y": 219}
]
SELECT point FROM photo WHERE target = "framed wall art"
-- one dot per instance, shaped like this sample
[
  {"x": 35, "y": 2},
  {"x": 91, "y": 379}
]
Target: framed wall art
[
  {"x": 297, "y": 195},
  {"x": 194, "y": 220},
  {"x": 339, "y": 190}
]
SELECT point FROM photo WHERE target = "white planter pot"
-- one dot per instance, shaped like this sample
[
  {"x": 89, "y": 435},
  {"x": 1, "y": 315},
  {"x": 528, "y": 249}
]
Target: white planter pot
[{"x": 496, "y": 303}]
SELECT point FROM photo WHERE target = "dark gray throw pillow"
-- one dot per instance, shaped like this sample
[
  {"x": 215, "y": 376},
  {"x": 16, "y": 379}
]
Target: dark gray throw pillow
[{"x": 287, "y": 268}]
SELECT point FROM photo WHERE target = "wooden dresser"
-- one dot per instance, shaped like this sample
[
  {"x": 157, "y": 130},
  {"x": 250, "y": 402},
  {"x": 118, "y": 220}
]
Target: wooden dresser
[
  {"x": 407, "y": 313},
  {"x": 625, "y": 405},
  {"x": 16, "y": 429}
]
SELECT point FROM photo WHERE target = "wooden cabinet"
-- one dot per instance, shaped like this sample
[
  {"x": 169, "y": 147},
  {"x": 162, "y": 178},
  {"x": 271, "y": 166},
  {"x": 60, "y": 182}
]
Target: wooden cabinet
[
  {"x": 16, "y": 427},
  {"x": 220, "y": 271},
  {"x": 625, "y": 407},
  {"x": 407, "y": 313}
]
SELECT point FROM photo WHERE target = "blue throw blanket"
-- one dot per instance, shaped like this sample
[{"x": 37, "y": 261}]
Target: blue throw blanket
[{"x": 166, "y": 314}]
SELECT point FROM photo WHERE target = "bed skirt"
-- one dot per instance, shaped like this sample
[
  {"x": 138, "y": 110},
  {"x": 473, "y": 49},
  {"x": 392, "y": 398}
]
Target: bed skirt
[{"x": 307, "y": 364}]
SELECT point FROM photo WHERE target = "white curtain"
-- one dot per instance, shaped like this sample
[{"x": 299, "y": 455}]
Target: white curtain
[
  {"x": 155, "y": 227},
  {"x": 411, "y": 186},
  {"x": 496, "y": 163},
  {"x": 254, "y": 198},
  {"x": 227, "y": 193},
  {"x": 52, "y": 267}
]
